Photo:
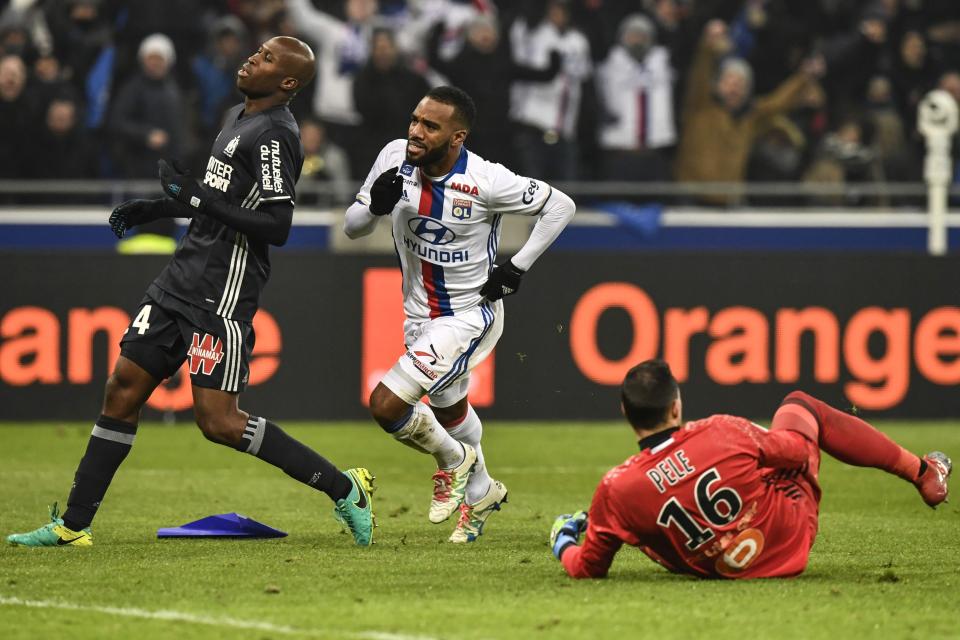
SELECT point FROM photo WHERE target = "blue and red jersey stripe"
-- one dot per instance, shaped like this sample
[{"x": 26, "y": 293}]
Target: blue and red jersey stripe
[{"x": 431, "y": 206}]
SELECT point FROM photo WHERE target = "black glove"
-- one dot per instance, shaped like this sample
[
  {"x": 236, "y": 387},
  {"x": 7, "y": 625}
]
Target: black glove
[
  {"x": 504, "y": 281},
  {"x": 136, "y": 212},
  {"x": 556, "y": 62},
  {"x": 385, "y": 192},
  {"x": 181, "y": 186}
]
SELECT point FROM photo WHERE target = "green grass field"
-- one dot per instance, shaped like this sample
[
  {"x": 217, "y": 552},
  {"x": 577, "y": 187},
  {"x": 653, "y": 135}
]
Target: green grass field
[{"x": 884, "y": 566}]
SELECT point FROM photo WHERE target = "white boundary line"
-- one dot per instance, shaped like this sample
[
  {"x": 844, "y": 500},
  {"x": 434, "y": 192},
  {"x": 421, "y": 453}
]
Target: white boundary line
[{"x": 192, "y": 618}]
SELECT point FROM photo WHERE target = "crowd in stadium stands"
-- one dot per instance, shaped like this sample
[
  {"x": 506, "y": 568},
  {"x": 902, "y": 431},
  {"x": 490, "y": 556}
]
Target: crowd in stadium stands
[{"x": 821, "y": 91}]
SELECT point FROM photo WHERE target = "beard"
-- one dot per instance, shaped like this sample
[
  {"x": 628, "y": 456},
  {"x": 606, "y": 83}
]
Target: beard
[{"x": 430, "y": 156}]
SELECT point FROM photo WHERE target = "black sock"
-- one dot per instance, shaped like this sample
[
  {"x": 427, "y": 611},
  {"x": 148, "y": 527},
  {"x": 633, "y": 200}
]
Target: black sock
[
  {"x": 109, "y": 444},
  {"x": 270, "y": 443}
]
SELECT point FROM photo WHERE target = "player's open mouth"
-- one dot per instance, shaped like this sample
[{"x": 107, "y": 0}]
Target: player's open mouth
[
  {"x": 415, "y": 146},
  {"x": 242, "y": 71}
]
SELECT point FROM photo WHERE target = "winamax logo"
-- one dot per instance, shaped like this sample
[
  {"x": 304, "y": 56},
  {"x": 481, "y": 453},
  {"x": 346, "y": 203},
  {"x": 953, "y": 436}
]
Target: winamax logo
[{"x": 205, "y": 354}]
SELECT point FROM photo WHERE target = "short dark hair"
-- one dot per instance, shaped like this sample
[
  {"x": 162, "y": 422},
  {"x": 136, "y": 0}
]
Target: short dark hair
[
  {"x": 647, "y": 393},
  {"x": 464, "y": 108}
]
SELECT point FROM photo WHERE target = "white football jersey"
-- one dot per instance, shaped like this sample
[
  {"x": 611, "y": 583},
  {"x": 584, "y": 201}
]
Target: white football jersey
[{"x": 446, "y": 229}]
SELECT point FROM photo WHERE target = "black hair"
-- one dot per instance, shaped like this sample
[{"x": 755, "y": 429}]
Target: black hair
[
  {"x": 463, "y": 107},
  {"x": 647, "y": 393}
]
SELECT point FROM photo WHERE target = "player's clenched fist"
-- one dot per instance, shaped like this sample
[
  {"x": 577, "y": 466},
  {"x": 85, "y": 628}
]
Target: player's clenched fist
[
  {"x": 385, "y": 192},
  {"x": 180, "y": 185},
  {"x": 504, "y": 281},
  {"x": 566, "y": 531}
]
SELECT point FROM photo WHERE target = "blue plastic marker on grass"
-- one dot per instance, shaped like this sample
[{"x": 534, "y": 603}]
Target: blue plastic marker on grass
[{"x": 224, "y": 525}]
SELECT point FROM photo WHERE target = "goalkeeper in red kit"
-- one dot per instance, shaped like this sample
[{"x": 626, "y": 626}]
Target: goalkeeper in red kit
[{"x": 723, "y": 497}]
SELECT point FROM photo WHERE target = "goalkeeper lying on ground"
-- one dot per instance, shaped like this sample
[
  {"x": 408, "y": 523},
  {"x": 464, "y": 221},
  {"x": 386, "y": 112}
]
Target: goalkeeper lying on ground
[{"x": 723, "y": 497}]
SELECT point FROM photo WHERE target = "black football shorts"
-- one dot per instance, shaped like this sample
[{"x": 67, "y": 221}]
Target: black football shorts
[{"x": 166, "y": 331}]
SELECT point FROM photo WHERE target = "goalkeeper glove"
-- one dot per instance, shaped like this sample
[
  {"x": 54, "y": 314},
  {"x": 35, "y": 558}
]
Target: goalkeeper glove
[
  {"x": 136, "y": 212},
  {"x": 385, "y": 192},
  {"x": 566, "y": 531},
  {"x": 181, "y": 186},
  {"x": 504, "y": 281}
]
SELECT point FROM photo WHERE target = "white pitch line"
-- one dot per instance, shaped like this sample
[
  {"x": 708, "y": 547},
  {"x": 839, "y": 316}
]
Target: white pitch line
[{"x": 192, "y": 618}]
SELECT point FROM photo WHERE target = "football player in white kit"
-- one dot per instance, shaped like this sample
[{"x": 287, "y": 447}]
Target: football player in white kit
[{"x": 446, "y": 205}]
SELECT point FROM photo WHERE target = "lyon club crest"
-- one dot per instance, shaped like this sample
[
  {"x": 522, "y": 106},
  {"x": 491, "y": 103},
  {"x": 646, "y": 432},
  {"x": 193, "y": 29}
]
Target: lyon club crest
[{"x": 462, "y": 209}]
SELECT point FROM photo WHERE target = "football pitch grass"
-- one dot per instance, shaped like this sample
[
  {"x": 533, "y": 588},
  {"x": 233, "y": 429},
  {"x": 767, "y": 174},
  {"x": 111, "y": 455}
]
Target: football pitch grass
[{"x": 884, "y": 565}]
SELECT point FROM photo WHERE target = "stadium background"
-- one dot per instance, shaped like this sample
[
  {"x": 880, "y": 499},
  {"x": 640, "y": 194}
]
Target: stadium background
[{"x": 794, "y": 257}]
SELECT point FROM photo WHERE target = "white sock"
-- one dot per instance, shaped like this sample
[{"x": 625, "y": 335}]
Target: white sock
[
  {"x": 470, "y": 431},
  {"x": 424, "y": 433}
]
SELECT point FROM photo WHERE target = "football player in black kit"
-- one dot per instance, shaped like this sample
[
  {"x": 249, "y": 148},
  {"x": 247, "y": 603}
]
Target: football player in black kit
[{"x": 201, "y": 306}]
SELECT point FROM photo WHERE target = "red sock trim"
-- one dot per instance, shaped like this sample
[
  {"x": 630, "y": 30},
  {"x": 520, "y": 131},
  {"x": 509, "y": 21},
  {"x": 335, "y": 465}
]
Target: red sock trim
[{"x": 456, "y": 423}]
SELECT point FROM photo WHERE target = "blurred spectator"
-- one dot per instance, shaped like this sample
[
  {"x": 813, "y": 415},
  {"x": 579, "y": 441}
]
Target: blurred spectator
[
  {"x": 324, "y": 162},
  {"x": 385, "y": 93},
  {"x": 636, "y": 90},
  {"x": 950, "y": 82},
  {"x": 853, "y": 57},
  {"x": 265, "y": 18},
  {"x": 844, "y": 159},
  {"x": 484, "y": 68},
  {"x": 415, "y": 32},
  {"x": 720, "y": 118},
  {"x": 80, "y": 30},
  {"x": 14, "y": 113},
  {"x": 15, "y": 40},
  {"x": 147, "y": 116},
  {"x": 773, "y": 37},
  {"x": 777, "y": 156},
  {"x": 899, "y": 164},
  {"x": 46, "y": 85},
  {"x": 342, "y": 50},
  {"x": 547, "y": 114},
  {"x": 83, "y": 42},
  {"x": 62, "y": 149},
  {"x": 215, "y": 71},
  {"x": 913, "y": 74},
  {"x": 185, "y": 22}
]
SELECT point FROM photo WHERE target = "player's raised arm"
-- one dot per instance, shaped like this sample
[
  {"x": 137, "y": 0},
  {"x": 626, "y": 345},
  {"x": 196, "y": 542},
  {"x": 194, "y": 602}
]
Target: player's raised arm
[{"x": 513, "y": 194}]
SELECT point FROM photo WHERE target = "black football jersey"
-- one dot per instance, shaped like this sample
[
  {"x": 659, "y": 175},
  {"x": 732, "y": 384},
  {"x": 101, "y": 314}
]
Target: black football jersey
[{"x": 255, "y": 160}]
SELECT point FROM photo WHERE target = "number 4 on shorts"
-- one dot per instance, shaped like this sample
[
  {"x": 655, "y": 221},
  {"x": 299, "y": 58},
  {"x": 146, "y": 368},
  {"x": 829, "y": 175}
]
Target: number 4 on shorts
[{"x": 140, "y": 322}]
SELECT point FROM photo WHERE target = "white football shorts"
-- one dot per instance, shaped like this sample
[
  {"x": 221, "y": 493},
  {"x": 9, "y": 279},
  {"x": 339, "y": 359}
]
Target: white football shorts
[{"x": 441, "y": 353}]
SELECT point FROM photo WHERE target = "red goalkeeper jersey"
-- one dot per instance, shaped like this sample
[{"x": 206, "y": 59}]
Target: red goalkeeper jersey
[{"x": 719, "y": 497}]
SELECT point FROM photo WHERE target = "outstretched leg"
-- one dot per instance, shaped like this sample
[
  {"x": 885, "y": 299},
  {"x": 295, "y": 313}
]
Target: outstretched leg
[
  {"x": 222, "y": 421},
  {"x": 853, "y": 441}
]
